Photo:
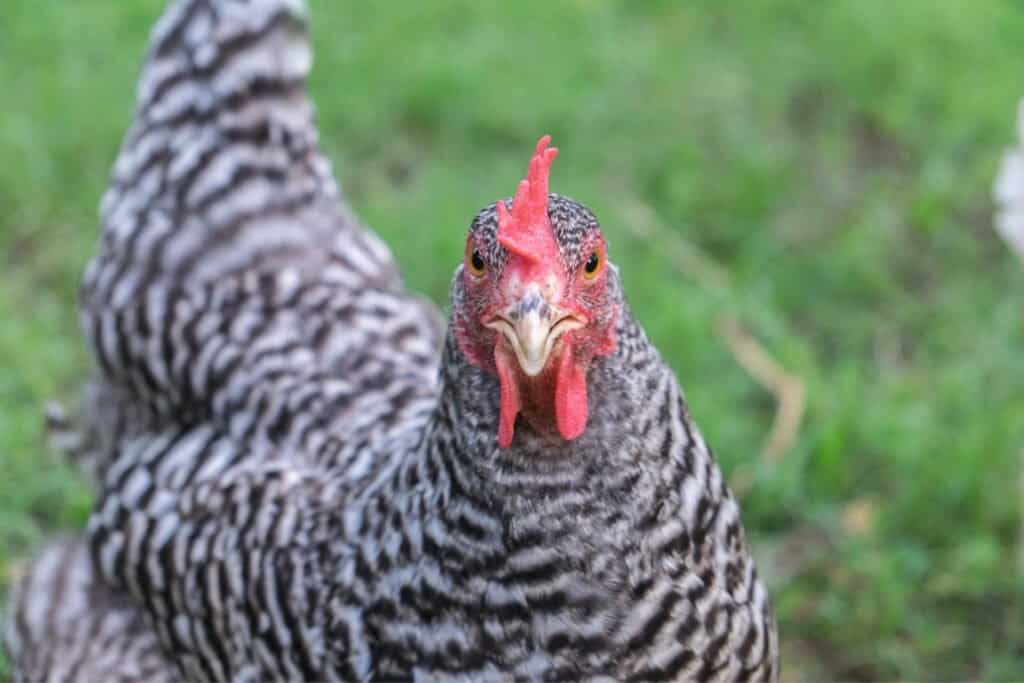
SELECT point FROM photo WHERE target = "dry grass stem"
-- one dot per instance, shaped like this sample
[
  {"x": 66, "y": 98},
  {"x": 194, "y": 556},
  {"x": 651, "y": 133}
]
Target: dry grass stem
[{"x": 788, "y": 389}]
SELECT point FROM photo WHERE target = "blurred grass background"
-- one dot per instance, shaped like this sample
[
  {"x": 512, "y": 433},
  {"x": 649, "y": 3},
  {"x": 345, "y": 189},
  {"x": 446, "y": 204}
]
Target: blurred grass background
[{"x": 819, "y": 172}]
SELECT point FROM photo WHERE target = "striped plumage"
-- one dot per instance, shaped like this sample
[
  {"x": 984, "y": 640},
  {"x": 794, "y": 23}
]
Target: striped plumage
[
  {"x": 68, "y": 624},
  {"x": 298, "y": 471}
]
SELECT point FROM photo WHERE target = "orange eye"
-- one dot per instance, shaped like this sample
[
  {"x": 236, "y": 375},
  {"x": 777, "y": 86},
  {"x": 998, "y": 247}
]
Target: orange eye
[
  {"x": 593, "y": 266},
  {"x": 476, "y": 264}
]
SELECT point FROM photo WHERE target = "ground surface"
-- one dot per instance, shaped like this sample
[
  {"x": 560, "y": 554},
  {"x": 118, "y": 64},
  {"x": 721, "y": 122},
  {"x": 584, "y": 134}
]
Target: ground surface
[{"x": 818, "y": 172}]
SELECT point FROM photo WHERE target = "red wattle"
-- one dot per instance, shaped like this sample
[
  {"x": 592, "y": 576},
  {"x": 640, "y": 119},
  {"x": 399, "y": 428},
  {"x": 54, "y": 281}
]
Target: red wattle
[
  {"x": 510, "y": 403},
  {"x": 570, "y": 396}
]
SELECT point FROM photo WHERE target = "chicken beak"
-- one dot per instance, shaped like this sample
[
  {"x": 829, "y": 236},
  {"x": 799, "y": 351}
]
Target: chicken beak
[{"x": 531, "y": 326}]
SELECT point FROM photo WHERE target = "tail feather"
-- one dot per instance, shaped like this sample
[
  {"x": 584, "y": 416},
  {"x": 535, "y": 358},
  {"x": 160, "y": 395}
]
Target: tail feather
[
  {"x": 221, "y": 212},
  {"x": 221, "y": 170}
]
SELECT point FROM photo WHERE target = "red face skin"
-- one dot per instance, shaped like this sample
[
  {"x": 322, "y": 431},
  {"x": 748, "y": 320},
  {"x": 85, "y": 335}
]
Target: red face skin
[
  {"x": 535, "y": 325},
  {"x": 577, "y": 323}
]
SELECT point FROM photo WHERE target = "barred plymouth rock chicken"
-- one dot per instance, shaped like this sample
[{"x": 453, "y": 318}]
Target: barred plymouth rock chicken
[{"x": 303, "y": 476}]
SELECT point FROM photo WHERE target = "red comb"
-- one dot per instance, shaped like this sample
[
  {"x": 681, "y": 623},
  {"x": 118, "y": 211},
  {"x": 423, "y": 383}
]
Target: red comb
[{"x": 525, "y": 230}]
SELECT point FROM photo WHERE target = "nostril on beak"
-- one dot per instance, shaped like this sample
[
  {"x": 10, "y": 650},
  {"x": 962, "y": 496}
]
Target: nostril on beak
[{"x": 532, "y": 326}]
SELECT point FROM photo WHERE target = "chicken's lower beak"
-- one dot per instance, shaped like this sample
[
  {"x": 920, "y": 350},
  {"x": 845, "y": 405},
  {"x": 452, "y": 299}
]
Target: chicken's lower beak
[{"x": 531, "y": 326}]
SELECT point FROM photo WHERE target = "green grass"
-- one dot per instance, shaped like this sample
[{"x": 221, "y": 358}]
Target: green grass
[{"x": 831, "y": 161}]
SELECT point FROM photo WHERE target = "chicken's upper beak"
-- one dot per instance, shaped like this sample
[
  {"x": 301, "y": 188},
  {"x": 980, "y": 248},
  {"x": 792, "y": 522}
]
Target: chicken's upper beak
[{"x": 531, "y": 326}]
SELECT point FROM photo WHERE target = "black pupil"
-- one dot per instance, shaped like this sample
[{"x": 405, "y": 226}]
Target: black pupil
[
  {"x": 591, "y": 264},
  {"x": 478, "y": 263}
]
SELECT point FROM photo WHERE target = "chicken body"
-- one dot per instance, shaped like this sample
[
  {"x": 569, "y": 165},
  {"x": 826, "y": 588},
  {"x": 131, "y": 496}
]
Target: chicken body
[{"x": 298, "y": 467}]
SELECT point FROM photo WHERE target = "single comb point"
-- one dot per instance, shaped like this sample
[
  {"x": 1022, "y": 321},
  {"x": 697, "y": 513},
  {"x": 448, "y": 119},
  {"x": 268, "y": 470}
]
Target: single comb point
[{"x": 525, "y": 231}]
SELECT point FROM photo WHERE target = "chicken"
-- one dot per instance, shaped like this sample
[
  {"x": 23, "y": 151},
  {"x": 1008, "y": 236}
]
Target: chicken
[
  {"x": 1009, "y": 192},
  {"x": 303, "y": 475}
]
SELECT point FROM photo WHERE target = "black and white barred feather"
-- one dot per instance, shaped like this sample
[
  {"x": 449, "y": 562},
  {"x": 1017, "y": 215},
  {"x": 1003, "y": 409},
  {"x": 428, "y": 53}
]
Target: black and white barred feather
[
  {"x": 68, "y": 624},
  {"x": 299, "y": 476}
]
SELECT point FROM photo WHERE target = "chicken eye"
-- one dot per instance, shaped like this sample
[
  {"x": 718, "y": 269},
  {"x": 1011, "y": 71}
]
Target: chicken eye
[
  {"x": 476, "y": 264},
  {"x": 592, "y": 266}
]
